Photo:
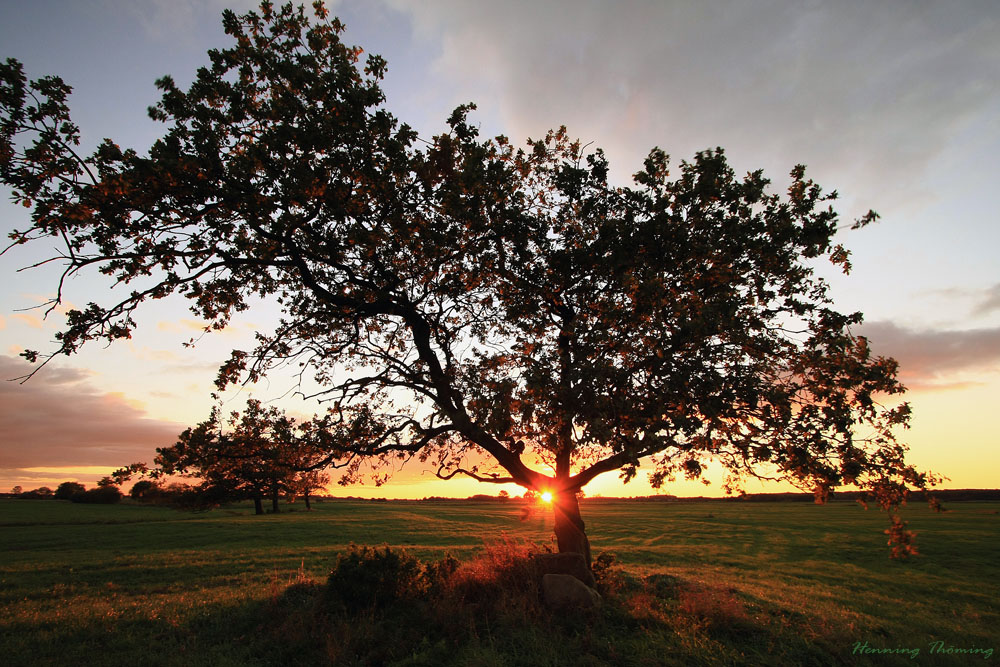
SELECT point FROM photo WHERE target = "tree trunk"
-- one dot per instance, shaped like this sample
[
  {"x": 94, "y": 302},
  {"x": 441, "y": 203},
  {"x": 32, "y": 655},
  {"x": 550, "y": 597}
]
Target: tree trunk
[
  {"x": 258, "y": 506},
  {"x": 571, "y": 533},
  {"x": 306, "y": 496},
  {"x": 274, "y": 501}
]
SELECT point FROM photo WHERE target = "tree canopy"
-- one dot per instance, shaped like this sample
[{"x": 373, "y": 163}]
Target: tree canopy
[
  {"x": 259, "y": 453},
  {"x": 500, "y": 313}
]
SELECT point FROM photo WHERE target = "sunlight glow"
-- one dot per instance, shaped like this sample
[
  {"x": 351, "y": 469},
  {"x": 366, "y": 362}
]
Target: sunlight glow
[{"x": 546, "y": 497}]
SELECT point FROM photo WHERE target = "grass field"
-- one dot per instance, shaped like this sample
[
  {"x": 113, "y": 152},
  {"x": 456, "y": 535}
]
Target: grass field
[{"x": 762, "y": 583}]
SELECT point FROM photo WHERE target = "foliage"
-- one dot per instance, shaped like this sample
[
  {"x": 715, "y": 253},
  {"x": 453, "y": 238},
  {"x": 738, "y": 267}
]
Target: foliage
[
  {"x": 106, "y": 494},
  {"x": 257, "y": 452},
  {"x": 527, "y": 310},
  {"x": 67, "y": 490},
  {"x": 604, "y": 564},
  {"x": 900, "y": 539},
  {"x": 144, "y": 490},
  {"x": 41, "y": 493},
  {"x": 179, "y": 495},
  {"x": 367, "y": 578}
]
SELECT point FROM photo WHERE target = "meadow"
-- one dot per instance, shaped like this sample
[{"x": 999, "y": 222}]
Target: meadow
[{"x": 696, "y": 583}]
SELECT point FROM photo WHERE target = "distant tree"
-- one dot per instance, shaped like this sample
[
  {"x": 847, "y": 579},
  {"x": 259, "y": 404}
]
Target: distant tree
[
  {"x": 67, "y": 490},
  {"x": 257, "y": 453},
  {"x": 16, "y": 491},
  {"x": 537, "y": 317},
  {"x": 106, "y": 481},
  {"x": 504, "y": 496},
  {"x": 106, "y": 494},
  {"x": 144, "y": 490},
  {"x": 303, "y": 483}
]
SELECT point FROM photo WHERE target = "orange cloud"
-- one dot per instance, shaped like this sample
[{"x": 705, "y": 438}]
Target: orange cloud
[
  {"x": 181, "y": 325},
  {"x": 56, "y": 419},
  {"x": 32, "y": 321},
  {"x": 198, "y": 326}
]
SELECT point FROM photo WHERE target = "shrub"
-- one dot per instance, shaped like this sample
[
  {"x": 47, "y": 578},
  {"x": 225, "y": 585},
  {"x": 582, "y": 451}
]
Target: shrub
[
  {"x": 41, "y": 493},
  {"x": 604, "y": 564},
  {"x": 504, "y": 571},
  {"x": 438, "y": 574},
  {"x": 381, "y": 606},
  {"x": 368, "y": 578}
]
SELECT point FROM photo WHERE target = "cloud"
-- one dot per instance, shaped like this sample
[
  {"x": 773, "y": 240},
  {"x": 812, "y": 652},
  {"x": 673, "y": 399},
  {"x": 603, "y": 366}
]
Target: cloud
[
  {"x": 936, "y": 358},
  {"x": 874, "y": 91},
  {"x": 146, "y": 353},
  {"x": 56, "y": 419},
  {"x": 187, "y": 325},
  {"x": 990, "y": 301},
  {"x": 183, "y": 324},
  {"x": 979, "y": 301},
  {"x": 170, "y": 20},
  {"x": 32, "y": 321}
]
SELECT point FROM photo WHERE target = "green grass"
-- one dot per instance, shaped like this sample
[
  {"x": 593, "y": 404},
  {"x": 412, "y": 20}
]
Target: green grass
[{"x": 759, "y": 583}]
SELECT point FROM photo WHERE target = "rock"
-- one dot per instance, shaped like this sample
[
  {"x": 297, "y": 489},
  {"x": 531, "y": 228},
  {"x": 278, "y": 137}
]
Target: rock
[
  {"x": 565, "y": 590},
  {"x": 565, "y": 563}
]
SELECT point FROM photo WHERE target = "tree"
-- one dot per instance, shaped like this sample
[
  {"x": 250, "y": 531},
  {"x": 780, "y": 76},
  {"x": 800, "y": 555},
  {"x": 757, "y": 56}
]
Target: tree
[
  {"x": 16, "y": 491},
  {"x": 303, "y": 483},
  {"x": 486, "y": 309},
  {"x": 67, "y": 490},
  {"x": 258, "y": 453},
  {"x": 145, "y": 490},
  {"x": 104, "y": 494}
]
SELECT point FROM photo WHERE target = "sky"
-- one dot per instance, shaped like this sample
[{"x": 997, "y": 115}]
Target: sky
[{"x": 896, "y": 105}]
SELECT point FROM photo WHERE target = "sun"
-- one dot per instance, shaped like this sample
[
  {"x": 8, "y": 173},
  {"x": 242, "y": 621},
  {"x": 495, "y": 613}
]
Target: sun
[{"x": 546, "y": 497}]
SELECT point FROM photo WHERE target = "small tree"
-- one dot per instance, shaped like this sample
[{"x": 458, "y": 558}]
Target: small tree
[
  {"x": 255, "y": 454},
  {"x": 16, "y": 491},
  {"x": 545, "y": 326},
  {"x": 305, "y": 482}
]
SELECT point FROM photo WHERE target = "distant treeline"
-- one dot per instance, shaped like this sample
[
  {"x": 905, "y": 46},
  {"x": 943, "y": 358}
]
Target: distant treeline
[
  {"x": 105, "y": 493},
  {"x": 842, "y": 496},
  {"x": 184, "y": 496}
]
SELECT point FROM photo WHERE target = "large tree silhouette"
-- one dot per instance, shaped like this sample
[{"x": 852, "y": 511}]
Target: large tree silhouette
[{"x": 499, "y": 313}]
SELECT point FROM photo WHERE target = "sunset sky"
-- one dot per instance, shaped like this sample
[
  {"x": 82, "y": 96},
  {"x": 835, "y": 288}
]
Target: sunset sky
[{"x": 895, "y": 104}]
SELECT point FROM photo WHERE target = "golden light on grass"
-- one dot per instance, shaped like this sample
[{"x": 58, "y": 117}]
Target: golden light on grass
[{"x": 546, "y": 497}]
